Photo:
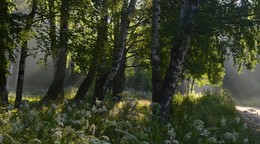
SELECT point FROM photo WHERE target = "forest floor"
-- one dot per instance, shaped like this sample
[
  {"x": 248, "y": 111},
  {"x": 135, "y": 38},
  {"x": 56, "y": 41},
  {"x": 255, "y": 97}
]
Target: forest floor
[{"x": 251, "y": 115}]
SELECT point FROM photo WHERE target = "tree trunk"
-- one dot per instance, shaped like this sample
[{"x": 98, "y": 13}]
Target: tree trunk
[
  {"x": 3, "y": 64},
  {"x": 56, "y": 87},
  {"x": 98, "y": 57},
  {"x": 86, "y": 84},
  {"x": 127, "y": 12},
  {"x": 188, "y": 11},
  {"x": 4, "y": 49},
  {"x": 120, "y": 79},
  {"x": 52, "y": 35},
  {"x": 155, "y": 52},
  {"x": 20, "y": 79},
  {"x": 100, "y": 82}
]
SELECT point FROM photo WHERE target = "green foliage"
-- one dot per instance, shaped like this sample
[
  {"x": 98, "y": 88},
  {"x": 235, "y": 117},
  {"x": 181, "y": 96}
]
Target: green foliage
[
  {"x": 209, "y": 118},
  {"x": 140, "y": 80},
  {"x": 197, "y": 118},
  {"x": 223, "y": 30}
]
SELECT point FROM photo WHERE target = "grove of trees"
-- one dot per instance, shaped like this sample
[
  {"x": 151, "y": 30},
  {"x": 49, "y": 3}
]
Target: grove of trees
[{"x": 172, "y": 40}]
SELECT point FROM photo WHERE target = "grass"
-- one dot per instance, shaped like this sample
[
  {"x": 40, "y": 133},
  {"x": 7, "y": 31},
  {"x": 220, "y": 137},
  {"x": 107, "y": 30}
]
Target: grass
[{"x": 196, "y": 118}]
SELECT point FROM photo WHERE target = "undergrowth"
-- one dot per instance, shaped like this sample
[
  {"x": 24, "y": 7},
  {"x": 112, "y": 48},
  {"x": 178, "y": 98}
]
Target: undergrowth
[{"x": 206, "y": 118}]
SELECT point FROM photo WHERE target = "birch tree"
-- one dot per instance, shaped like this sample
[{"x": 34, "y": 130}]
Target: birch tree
[
  {"x": 155, "y": 51},
  {"x": 25, "y": 36},
  {"x": 56, "y": 87},
  {"x": 6, "y": 46},
  {"x": 100, "y": 46},
  {"x": 126, "y": 15},
  {"x": 188, "y": 12}
]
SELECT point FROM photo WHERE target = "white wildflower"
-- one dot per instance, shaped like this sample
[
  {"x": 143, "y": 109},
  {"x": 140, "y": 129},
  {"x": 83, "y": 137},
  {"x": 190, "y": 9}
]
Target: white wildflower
[
  {"x": 80, "y": 134},
  {"x": 212, "y": 140},
  {"x": 205, "y": 133},
  {"x": 64, "y": 117},
  {"x": 245, "y": 126},
  {"x": 237, "y": 120},
  {"x": 54, "y": 106},
  {"x": 104, "y": 109},
  {"x": 175, "y": 142},
  {"x": 69, "y": 108},
  {"x": 235, "y": 135},
  {"x": 168, "y": 125},
  {"x": 94, "y": 109},
  {"x": 98, "y": 102},
  {"x": 198, "y": 125},
  {"x": 223, "y": 122},
  {"x": 93, "y": 140},
  {"x": 88, "y": 114},
  {"x": 92, "y": 129},
  {"x": 60, "y": 124},
  {"x": 106, "y": 138},
  {"x": 245, "y": 140},
  {"x": 83, "y": 112},
  {"x": 77, "y": 122},
  {"x": 3, "y": 122},
  {"x": 171, "y": 133},
  {"x": 221, "y": 142},
  {"x": 57, "y": 135},
  {"x": 17, "y": 128},
  {"x": 87, "y": 124},
  {"x": 81, "y": 102},
  {"x": 188, "y": 136},
  {"x": 33, "y": 112},
  {"x": 231, "y": 136}
]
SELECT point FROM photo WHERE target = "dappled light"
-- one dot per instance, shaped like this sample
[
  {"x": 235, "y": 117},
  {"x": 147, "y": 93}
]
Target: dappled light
[{"x": 129, "y": 72}]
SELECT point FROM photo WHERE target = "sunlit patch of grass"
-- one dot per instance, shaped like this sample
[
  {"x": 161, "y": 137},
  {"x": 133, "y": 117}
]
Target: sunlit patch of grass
[
  {"x": 32, "y": 99},
  {"x": 70, "y": 93}
]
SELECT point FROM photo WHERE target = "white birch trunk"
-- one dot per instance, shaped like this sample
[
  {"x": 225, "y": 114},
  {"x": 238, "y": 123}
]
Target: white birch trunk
[
  {"x": 189, "y": 9},
  {"x": 127, "y": 12},
  {"x": 155, "y": 51}
]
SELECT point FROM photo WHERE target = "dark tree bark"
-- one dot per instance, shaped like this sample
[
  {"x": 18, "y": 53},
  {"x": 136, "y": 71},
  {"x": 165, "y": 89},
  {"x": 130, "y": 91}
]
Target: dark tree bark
[
  {"x": 97, "y": 58},
  {"x": 126, "y": 15},
  {"x": 52, "y": 35},
  {"x": 86, "y": 84},
  {"x": 155, "y": 52},
  {"x": 188, "y": 11},
  {"x": 100, "y": 82},
  {"x": 3, "y": 51},
  {"x": 3, "y": 73},
  {"x": 20, "y": 79},
  {"x": 120, "y": 79},
  {"x": 56, "y": 87}
]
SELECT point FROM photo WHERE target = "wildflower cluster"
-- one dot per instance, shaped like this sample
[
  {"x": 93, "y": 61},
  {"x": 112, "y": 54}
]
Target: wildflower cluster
[{"x": 129, "y": 121}]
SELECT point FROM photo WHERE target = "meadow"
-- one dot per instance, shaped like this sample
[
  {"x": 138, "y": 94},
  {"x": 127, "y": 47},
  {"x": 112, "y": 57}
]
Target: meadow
[{"x": 196, "y": 118}]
